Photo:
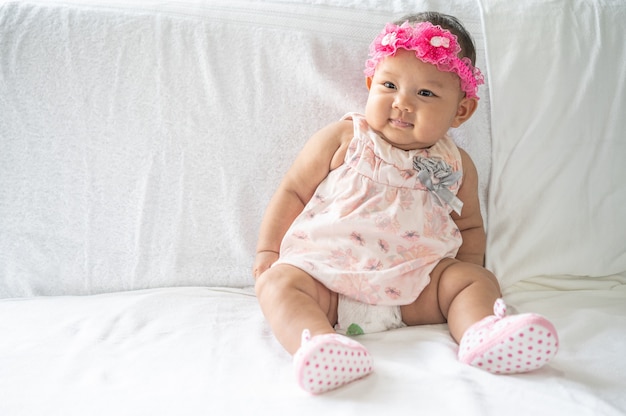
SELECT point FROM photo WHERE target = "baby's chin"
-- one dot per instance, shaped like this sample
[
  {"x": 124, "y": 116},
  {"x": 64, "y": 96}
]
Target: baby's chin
[{"x": 404, "y": 144}]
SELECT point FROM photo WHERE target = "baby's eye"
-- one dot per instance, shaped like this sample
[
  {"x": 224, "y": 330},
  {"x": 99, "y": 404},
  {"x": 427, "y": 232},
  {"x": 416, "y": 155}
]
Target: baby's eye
[
  {"x": 390, "y": 85},
  {"x": 425, "y": 93}
]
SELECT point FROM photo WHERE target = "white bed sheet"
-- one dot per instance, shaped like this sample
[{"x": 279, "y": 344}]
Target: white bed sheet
[{"x": 193, "y": 351}]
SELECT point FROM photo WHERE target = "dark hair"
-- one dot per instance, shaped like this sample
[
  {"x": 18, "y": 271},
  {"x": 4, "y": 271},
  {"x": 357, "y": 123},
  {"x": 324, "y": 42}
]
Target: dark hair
[{"x": 450, "y": 23}]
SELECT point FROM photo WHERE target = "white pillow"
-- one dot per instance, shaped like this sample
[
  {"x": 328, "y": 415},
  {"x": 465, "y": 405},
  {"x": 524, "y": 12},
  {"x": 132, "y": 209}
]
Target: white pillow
[{"x": 558, "y": 190}]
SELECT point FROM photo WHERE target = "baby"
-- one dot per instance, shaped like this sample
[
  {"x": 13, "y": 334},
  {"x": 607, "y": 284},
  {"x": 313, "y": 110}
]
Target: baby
[{"x": 377, "y": 224}]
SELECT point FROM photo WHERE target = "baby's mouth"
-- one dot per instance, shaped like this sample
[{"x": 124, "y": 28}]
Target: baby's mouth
[{"x": 400, "y": 123}]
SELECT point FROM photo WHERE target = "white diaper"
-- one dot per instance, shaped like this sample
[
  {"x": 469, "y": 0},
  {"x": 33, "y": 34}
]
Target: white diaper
[{"x": 355, "y": 318}]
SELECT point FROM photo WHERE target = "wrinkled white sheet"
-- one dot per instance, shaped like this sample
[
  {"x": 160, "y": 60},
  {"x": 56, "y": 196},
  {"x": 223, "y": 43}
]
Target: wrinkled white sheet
[{"x": 201, "y": 351}]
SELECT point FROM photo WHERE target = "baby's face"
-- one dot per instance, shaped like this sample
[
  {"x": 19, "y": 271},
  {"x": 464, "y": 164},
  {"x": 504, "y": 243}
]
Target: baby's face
[{"x": 412, "y": 104}]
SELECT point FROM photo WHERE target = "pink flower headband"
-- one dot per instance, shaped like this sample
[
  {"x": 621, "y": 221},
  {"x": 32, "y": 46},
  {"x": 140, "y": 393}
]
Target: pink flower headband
[{"x": 432, "y": 45}]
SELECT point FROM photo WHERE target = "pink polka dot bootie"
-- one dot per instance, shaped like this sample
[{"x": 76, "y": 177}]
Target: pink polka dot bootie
[
  {"x": 509, "y": 344},
  {"x": 326, "y": 362}
]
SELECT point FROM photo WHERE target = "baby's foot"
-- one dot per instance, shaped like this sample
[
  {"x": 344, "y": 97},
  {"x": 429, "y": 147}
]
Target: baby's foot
[
  {"x": 326, "y": 362},
  {"x": 509, "y": 344}
]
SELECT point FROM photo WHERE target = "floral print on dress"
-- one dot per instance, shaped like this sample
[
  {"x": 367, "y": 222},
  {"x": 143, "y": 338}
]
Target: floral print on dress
[
  {"x": 435, "y": 224},
  {"x": 386, "y": 224},
  {"x": 373, "y": 231},
  {"x": 393, "y": 293},
  {"x": 361, "y": 289}
]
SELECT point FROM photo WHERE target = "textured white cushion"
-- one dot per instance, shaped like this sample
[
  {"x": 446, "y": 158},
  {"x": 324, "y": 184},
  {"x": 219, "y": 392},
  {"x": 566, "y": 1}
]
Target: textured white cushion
[
  {"x": 142, "y": 140},
  {"x": 557, "y": 191}
]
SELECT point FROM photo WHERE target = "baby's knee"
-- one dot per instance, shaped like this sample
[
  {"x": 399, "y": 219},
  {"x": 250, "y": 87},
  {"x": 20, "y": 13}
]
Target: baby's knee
[
  {"x": 269, "y": 280},
  {"x": 279, "y": 279},
  {"x": 459, "y": 275}
]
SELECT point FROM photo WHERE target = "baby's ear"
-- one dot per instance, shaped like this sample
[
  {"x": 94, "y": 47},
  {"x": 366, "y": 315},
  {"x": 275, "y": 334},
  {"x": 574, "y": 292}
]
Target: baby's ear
[
  {"x": 368, "y": 82},
  {"x": 466, "y": 108}
]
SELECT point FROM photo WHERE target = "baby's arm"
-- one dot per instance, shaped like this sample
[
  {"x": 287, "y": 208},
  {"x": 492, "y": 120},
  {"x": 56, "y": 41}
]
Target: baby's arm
[
  {"x": 323, "y": 152},
  {"x": 470, "y": 222}
]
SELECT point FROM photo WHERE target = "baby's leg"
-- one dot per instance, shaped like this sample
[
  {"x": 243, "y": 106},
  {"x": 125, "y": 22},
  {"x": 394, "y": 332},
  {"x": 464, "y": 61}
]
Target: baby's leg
[
  {"x": 302, "y": 313},
  {"x": 293, "y": 301},
  {"x": 466, "y": 295},
  {"x": 459, "y": 293}
]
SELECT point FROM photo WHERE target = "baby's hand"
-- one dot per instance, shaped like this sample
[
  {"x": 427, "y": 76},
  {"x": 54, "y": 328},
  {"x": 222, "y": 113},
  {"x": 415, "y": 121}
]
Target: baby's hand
[{"x": 263, "y": 261}]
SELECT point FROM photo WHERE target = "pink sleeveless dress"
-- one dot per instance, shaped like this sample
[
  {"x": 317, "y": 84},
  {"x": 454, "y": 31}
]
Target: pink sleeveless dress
[{"x": 373, "y": 231}]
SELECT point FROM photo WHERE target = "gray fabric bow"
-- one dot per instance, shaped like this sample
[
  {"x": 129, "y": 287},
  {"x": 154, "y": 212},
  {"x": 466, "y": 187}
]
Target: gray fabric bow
[{"x": 429, "y": 169}]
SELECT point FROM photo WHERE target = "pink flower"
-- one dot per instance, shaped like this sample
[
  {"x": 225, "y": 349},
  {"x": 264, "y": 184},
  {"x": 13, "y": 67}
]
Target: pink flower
[
  {"x": 393, "y": 293},
  {"x": 373, "y": 264},
  {"x": 411, "y": 235},
  {"x": 431, "y": 45},
  {"x": 357, "y": 238}
]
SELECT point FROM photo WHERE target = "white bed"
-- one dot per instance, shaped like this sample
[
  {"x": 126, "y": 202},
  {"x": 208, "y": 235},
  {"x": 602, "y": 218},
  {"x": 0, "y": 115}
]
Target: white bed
[{"x": 129, "y": 210}]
